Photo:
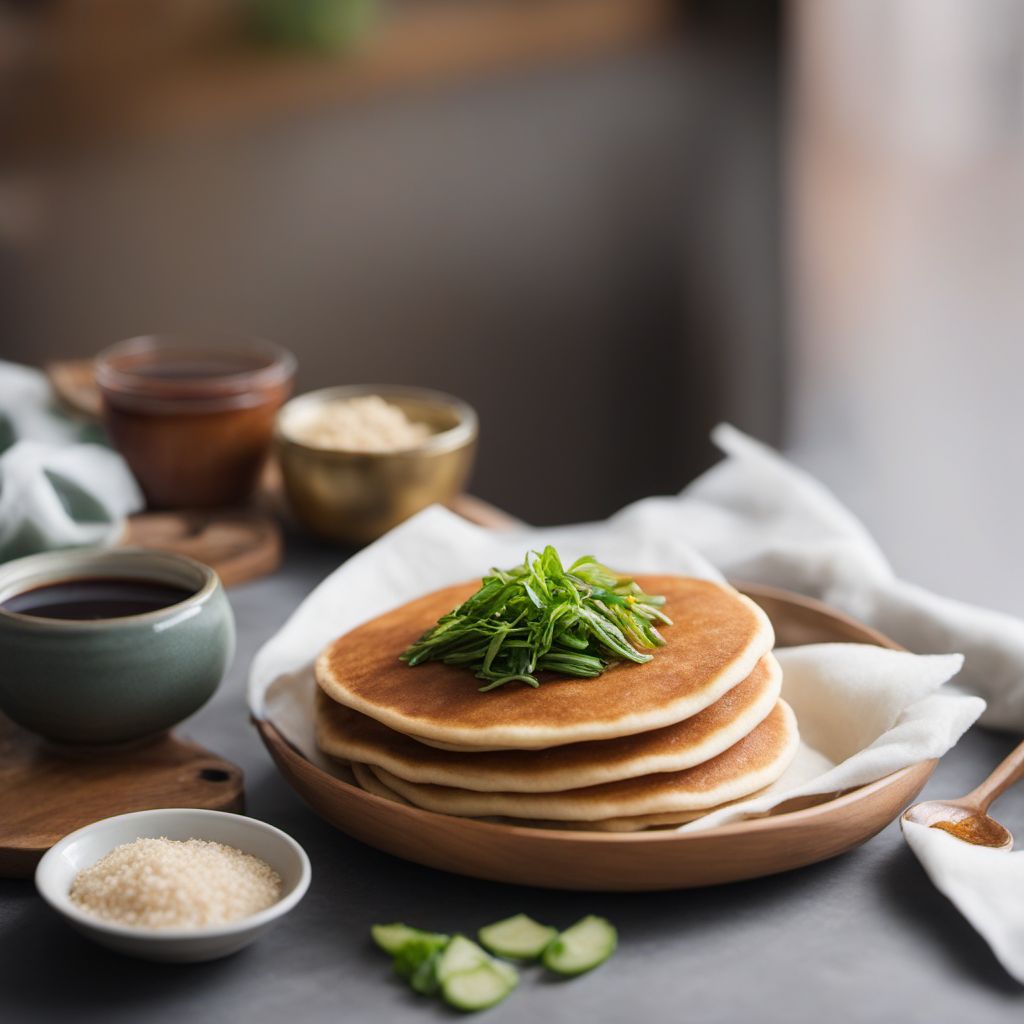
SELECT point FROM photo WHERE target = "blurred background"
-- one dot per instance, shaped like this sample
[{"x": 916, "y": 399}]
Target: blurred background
[{"x": 607, "y": 224}]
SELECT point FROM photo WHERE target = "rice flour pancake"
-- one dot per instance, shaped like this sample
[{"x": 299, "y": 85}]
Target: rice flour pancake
[
  {"x": 671, "y": 819},
  {"x": 717, "y": 639},
  {"x": 754, "y": 762},
  {"x": 368, "y": 781},
  {"x": 344, "y": 733}
]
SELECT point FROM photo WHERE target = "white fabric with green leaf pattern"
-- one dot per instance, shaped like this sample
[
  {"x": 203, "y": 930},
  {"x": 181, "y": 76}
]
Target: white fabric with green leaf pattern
[{"x": 60, "y": 486}]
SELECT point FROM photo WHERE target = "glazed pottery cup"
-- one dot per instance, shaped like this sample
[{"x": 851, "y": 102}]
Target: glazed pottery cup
[{"x": 112, "y": 680}]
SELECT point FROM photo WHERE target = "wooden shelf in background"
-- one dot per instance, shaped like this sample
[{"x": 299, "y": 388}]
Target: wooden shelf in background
[{"x": 128, "y": 70}]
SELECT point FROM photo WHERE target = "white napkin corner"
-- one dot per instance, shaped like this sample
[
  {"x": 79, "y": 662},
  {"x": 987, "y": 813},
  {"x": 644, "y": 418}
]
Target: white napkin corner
[
  {"x": 985, "y": 885},
  {"x": 53, "y": 496},
  {"x": 57, "y": 487}
]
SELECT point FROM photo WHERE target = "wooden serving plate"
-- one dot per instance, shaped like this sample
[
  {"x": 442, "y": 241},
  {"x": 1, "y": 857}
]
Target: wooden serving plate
[
  {"x": 47, "y": 791},
  {"x": 627, "y": 862}
]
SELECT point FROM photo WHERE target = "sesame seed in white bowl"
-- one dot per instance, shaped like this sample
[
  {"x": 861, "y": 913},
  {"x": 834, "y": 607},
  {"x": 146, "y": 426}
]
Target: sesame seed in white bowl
[{"x": 175, "y": 884}]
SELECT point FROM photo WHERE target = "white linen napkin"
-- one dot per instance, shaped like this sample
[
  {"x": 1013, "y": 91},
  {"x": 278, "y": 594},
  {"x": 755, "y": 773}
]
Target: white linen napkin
[
  {"x": 28, "y": 410},
  {"x": 758, "y": 518},
  {"x": 865, "y": 712},
  {"x": 986, "y": 886},
  {"x": 54, "y": 490}
]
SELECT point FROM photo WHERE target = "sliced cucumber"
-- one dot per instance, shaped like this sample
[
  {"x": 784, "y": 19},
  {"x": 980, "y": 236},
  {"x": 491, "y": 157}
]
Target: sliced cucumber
[
  {"x": 424, "y": 978},
  {"x": 469, "y": 978},
  {"x": 587, "y": 943},
  {"x": 461, "y": 954},
  {"x": 416, "y": 952},
  {"x": 392, "y": 937},
  {"x": 478, "y": 988},
  {"x": 507, "y": 971},
  {"x": 518, "y": 937}
]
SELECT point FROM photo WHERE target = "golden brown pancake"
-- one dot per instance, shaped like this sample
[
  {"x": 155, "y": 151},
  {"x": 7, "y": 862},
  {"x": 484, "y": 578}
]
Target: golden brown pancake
[
  {"x": 717, "y": 638},
  {"x": 344, "y": 733},
  {"x": 754, "y": 762},
  {"x": 368, "y": 781}
]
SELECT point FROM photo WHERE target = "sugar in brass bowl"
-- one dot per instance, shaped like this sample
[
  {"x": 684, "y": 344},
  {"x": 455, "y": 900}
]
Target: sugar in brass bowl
[{"x": 354, "y": 497}]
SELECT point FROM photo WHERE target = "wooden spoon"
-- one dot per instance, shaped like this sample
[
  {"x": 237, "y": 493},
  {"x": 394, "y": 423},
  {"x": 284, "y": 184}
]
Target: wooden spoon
[{"x": 966, "y": 818}]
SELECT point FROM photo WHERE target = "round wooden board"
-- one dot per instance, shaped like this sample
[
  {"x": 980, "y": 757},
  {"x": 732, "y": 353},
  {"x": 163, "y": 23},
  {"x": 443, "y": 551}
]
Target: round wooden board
[
  {"x": 240, "y": 545},
  {"x": 625, "y": 862},
  {"x": 49, "y": 791}
]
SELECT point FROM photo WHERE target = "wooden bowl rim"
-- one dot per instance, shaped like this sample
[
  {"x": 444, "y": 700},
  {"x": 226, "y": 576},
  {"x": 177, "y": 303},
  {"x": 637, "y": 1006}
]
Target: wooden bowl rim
[
  {"x": 758, "y": 591},
  {"x": 917, "y": 773}
]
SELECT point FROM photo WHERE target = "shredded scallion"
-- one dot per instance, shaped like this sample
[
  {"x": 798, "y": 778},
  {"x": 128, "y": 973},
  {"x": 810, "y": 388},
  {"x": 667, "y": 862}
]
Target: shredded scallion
[{"x": 541, "y": 617}]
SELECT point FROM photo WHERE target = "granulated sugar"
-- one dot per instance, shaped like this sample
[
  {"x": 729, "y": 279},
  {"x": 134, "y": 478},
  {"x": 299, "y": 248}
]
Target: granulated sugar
[
  {"x": 366, "y": 423},
  {"x": 169, "y": 883}
]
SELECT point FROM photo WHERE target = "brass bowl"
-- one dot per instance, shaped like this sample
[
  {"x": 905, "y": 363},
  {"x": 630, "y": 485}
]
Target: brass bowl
[{"x": 354, "y": 497}]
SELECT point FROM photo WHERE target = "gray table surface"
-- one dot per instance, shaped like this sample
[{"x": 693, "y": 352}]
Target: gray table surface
[{"x": 863, "y": 937}]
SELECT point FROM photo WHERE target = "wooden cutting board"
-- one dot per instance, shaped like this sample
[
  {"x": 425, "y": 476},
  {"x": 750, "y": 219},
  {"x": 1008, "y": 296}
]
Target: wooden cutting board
[
  {"x": 243, "y": 545},
  {"x": 48, "y": 791},
  {"x": 240, "y": 545}
]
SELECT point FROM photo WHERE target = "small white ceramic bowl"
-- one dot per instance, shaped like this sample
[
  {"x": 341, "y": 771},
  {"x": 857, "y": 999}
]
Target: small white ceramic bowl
[{"x": 83, "y": 848}]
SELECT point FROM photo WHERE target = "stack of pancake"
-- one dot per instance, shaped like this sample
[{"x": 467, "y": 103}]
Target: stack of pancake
[{"x": 640, "y": 746}]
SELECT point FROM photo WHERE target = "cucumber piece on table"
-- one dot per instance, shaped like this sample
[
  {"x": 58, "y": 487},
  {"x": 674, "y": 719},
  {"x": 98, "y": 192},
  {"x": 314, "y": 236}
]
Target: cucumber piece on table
[
  {"x": 477, "y": 988},
  {"x": 518, "y": 937},
  {"x": 392, "y": 937},
  {"x": 507, "y": 971},
  {"x": 581, "y": 947},
  {"x": 461, "y": 954},
  {"x": 424, "y": 978},
  {"x": 416, "y": 952}
]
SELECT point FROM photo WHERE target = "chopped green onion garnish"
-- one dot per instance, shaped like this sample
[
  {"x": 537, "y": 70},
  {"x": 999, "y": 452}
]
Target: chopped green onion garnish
[{"x": 539, "y": 617}]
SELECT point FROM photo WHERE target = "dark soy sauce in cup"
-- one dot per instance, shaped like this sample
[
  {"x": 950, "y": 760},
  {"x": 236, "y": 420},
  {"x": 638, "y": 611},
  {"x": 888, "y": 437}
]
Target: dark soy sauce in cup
[{"x": 95, "y": 598}]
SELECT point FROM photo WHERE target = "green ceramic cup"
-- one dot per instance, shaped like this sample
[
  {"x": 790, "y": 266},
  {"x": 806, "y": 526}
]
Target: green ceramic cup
[{"x": 112, "y": 680}]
